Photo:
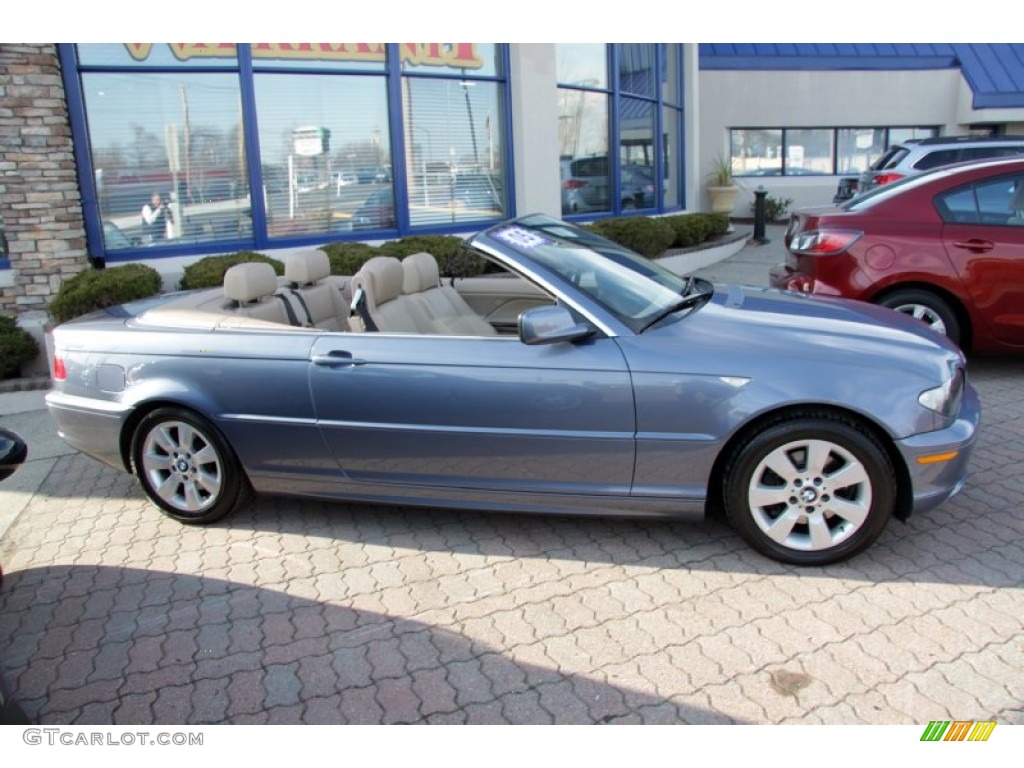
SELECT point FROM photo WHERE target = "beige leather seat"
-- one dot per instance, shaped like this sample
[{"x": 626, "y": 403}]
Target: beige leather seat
[
  {"x": 378, "y": 285},
  {"x": 321, "y": 302},
  {"x": 251, "y": 287},
  {"x": 448, "y": 311}
]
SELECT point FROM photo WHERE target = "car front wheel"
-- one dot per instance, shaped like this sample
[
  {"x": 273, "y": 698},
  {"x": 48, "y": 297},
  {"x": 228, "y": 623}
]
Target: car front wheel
[
  {"x": 926, "y": 307},
  {"x": 186, "y": 468},
  {"x": 810, "y": 490}
]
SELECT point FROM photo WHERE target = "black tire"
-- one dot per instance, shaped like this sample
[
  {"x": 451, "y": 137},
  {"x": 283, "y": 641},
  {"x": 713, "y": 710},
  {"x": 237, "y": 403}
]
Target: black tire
[
  {"x": 822, "y": 485},
  {"x": 927, "y": 307},
  {"x": 186, "y": 467}
]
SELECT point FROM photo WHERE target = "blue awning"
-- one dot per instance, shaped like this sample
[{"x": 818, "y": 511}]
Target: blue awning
[{"x": 994, "y": 71}]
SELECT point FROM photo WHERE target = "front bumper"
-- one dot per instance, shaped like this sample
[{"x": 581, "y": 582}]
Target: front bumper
[{"x": 934, "y": 483}]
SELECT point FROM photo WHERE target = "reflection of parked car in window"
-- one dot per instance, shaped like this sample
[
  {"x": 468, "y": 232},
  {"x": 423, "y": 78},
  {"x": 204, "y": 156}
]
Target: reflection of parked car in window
[
  {"x": 378, "y": 212},
  {"x": 114, "y": 237},
  {"x": 478, "y": 192},
  {"x": 586, "y": 182}
]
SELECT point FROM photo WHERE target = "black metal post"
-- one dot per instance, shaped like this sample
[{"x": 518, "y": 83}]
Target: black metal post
[{"x": 759, "y": 215}]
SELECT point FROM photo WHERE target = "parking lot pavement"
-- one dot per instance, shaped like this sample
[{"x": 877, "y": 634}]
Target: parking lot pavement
[{"x": 301, "y": 611}]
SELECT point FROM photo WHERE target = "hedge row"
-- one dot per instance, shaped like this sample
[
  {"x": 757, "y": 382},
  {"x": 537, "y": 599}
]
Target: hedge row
[
  {"x": 101, "y": 288},
  {"x": 17, "y": 347}
]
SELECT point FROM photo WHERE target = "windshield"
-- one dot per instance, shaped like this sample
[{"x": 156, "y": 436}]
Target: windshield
[{"x": 636, "y": 290}]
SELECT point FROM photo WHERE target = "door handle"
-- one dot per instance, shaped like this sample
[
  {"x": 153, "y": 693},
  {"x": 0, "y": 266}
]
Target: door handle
[
  {"x": 337, "y": 358},
  {"x": 975, "y": 245}
]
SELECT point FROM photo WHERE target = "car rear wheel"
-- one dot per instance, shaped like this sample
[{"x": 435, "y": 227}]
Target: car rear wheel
[
  {"x": 186, "y": 468},
  {"x": 926, "y": 307},
  {"x": 810, "y": 490}
]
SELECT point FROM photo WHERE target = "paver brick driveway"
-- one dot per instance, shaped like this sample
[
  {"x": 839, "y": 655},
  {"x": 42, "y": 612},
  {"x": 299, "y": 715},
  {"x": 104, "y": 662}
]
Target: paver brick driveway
[{"x": 297, "y": 611}]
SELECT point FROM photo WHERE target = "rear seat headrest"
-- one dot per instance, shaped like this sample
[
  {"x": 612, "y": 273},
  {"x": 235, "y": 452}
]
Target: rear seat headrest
[
  {"x": 421, "y": 273},
  {"x": 305, "y": 267},
  {"x": 382, "y": 276},
  {"x": 247, "y": 282}
]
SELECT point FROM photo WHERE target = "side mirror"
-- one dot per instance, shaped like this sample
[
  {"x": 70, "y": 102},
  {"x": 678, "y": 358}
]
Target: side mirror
[
  {"x": 550, "y": 325},
  {"x": 13, "y": 452}
]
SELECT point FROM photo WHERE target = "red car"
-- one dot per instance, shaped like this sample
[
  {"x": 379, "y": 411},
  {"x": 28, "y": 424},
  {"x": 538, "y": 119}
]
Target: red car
[{"x": 946, "y": 247}]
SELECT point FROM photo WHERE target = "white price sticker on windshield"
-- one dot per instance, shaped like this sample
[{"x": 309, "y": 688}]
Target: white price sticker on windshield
[{"x": 520, "y": 238}]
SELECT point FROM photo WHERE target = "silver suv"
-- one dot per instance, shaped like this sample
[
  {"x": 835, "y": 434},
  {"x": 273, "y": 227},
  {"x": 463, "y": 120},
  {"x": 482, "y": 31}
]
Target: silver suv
[
  {"x": 920, "y": 155},
  {"x": 914, "y": 156}
]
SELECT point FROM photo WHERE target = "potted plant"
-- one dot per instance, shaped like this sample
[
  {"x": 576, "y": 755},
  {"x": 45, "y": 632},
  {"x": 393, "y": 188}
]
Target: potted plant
[{"x": 721, "y": 190}]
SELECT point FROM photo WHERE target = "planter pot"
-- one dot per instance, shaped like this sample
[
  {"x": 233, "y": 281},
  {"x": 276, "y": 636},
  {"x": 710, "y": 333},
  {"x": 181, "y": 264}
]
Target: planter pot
[{"x": 722, "y": 199}]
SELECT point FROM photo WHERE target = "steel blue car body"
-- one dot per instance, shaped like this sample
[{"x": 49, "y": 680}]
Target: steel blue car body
[{"x": 604, "y": 415}]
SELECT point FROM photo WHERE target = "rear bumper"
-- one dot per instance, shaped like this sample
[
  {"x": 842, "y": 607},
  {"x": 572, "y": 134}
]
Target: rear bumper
[
  {"x": 91, "y": 426},
  {"x": 933, "y": 483}
]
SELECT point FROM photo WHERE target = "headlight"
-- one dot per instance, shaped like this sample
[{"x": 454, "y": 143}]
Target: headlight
[{"x": 945, "y": 399}]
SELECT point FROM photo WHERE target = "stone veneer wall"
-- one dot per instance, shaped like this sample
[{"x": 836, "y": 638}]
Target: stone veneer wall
[{"x": 40, "y": 203}]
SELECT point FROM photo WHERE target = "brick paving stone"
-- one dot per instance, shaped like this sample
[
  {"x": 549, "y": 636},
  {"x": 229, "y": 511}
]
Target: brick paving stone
[{"x": 306, "y": 611}]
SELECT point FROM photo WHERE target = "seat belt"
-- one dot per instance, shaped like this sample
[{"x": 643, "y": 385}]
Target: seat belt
[
  {"x": 305, "y": 307},
  {"x": 292, "y": 319},
  {"x": 359, "y": 307}
]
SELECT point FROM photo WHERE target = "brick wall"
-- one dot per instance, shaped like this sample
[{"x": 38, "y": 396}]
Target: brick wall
[{"x": 40, "y": 202}]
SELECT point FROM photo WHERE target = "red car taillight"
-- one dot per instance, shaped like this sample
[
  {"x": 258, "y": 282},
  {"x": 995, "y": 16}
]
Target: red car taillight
[
  {"x": 60, "y": 372},
  {"x": 573, "y": 184},
  {"x": 823, "y": 242},
  {"x": 887, "y": 178}
]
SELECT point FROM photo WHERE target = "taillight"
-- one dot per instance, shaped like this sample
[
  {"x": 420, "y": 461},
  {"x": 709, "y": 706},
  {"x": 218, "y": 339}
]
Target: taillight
[
  {"x": 60, "y": 372},
  {"x": 887, "y": 178},
  {"x": 823, "y": 242},
  {"x": 573, "y": 184}
]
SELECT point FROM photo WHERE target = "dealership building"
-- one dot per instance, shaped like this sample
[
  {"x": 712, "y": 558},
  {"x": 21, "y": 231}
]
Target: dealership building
[{"x": 164, "y": 153}]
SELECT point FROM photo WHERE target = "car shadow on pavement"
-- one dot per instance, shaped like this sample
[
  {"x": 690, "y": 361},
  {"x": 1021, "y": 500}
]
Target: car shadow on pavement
[{"x": 108, "y": 645}]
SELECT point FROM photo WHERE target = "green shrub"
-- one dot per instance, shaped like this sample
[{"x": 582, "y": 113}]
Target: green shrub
[
  {"x": 649, "y": 237},
  {"x": 453, "y": 258},
  {"x": 209, "y": 272},
  {"x": 101, "y": 288},
  {"x": 689, "y": 229},
  {"x": 718, "y": 223},
  {"x": 347, "y": 258},
  {"x": 774, "y": 207},
  {"x": 17, "y": 347}
]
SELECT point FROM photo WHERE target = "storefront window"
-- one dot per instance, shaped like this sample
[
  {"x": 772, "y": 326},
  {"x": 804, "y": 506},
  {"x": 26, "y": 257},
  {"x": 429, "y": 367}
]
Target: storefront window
[
  {"x": 369, "y": 57},
  {"x": 582, "y": 64},
  {"x": 324, "y": 152},
  {"x": 636, "y": 155},
  {"x": 168, "y": 158},
  {"x": 756, "y": 152},
  {"x": 583, "y": 148},
  {"x": 671, "y": 82},
  {"x": 636, "y": 69},
  {"x": 184, "y": 150},
  {"x": 176, "y": 55},
  {"x": 476, "y": 59},
  {"x": 455, "y": 170},
  {"x": 808, "y": 152},
  {"x": 672, "y": 163},
  {"x": 857, "y": 148},
  {"x": 593, "y": 180}
]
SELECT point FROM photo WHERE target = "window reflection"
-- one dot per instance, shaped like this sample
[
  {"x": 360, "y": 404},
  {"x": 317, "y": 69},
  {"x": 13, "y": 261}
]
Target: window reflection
[
  {"x": 636, "y": 68},
  {"x": 325, "y": 153},
  {"x": 455, "y": 166},
  {"x": 636, "y": 153},
  {"x": 582, "y": 64},
  {"x": 172, "y": 144},
  {"x": 583, "y": 148}
]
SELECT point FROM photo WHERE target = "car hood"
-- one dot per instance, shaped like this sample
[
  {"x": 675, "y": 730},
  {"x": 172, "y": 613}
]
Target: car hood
[{"x": 797, "y": 348}]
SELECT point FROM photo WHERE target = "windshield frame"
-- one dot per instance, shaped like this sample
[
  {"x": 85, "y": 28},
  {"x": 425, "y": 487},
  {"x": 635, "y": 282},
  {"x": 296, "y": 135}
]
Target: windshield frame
[{"x": 594, "y": 274}]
